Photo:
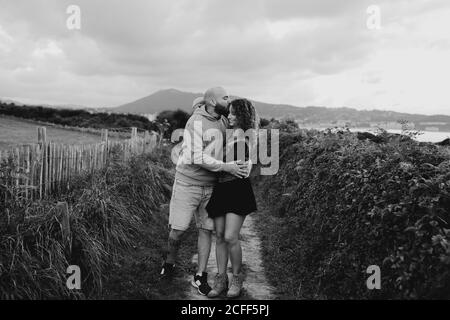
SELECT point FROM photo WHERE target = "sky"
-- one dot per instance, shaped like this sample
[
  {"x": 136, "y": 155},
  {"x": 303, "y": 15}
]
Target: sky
[{"x": 304, "y": 53}]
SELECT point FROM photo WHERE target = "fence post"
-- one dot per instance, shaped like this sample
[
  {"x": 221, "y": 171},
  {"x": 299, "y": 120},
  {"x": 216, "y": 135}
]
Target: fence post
[
  {"x": 42, "y": 135},
  {"x": 16, "y": 155},
  {"x": 154, "y": 140},
  {"x": 146, "y": 139},
  {"x": 133, "y": 139},
  {"x": 105, "y": 148},
  {"x": 63, "y": 210},
  {"x": 42, "y": 139},
  {"x": 105, "y": 136},
  {"x": 133, "y": 133}
]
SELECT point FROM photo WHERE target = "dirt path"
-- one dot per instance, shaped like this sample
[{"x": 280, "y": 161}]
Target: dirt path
[{"x": 255, "y": 286}]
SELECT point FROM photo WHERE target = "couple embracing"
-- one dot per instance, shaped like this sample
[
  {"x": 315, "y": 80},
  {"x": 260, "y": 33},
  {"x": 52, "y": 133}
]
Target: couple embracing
[{"x": 215, "y": 190}]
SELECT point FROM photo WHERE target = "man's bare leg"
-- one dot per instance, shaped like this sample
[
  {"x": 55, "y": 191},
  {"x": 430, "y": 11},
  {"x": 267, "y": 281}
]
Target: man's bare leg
[
  {"x": 204, "y": 249},
  {"x": 173, "y": 245}
]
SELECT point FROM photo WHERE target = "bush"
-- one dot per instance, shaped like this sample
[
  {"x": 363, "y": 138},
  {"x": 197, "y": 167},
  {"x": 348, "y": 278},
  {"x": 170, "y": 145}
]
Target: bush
[
  {"x": 349, "y": 204},
  {"x": 263, "y": 122},
  {"x": 78, "y": 118},
  {"x": 170, "y": 120},
  {"x": 284, "y": 125}
]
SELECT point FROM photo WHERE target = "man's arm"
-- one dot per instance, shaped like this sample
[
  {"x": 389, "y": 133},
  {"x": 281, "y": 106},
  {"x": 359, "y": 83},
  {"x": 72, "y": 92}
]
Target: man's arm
[
  {"x": 203, "y": 158},
  {"x": 200, "y": 155}
]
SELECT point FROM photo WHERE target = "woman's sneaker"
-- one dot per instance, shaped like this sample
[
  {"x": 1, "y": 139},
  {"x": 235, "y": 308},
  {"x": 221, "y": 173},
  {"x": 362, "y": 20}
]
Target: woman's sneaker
[
  {"x": 236, "y": 287},
  {"x": 201, "y": 283},
  {"x": 220, "y": 285}
]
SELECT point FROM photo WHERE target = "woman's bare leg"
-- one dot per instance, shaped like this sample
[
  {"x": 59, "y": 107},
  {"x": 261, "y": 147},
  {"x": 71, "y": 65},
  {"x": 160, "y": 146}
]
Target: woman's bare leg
[
  {"x": 233, "y": 225},
  {"x": 221, "y": 245}
]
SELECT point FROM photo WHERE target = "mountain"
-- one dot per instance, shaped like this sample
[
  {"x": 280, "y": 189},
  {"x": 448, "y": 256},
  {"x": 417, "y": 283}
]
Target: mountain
[{"x": 172, "y": 99}]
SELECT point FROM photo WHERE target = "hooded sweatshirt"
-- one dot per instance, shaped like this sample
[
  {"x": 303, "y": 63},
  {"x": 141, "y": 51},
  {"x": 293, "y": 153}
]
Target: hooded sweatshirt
[{"x": 201, "y": 152}]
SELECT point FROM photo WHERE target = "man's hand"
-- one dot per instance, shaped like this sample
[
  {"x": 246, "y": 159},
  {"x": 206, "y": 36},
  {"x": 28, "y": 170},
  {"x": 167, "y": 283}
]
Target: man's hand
[
  {"x": 248, "y": 166},
  {"x": 239, "y": 170}
]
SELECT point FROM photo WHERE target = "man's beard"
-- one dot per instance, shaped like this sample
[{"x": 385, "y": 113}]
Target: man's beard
[{"x": 219, "y": 109}]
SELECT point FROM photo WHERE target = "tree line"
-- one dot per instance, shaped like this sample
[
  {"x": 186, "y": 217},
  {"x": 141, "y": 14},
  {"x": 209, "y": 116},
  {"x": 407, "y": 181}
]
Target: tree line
[{"x": 165, "y": 122}]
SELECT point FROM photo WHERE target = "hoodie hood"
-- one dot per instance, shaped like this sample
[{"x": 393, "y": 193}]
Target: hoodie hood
[
  {"x": 201, "y": 111},
  {"x": 198, "y": 102}
]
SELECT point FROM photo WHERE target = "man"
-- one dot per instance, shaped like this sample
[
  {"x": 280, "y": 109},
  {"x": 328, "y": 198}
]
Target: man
[{"x": 196, "y": 175}]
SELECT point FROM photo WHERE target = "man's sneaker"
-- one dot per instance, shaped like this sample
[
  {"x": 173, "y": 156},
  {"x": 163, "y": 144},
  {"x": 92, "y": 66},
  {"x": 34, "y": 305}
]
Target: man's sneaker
[
  {"x": 236, "y": 287},
  {"x": 167, "y": 270},
  {"x": 220, "y": 285},
  {"x": 201, "y": 283}
]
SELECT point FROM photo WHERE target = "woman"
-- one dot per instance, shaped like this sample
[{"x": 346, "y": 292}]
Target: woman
[{"x": 233, "y": 199}]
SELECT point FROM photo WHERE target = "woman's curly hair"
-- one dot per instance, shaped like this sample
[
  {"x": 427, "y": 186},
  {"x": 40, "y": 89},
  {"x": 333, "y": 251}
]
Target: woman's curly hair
[
  {"x": 247, "y": 118},
  {"x": 245, "y": 113}
]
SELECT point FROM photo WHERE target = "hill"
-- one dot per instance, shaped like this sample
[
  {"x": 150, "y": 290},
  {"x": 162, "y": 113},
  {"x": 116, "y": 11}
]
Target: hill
[{"x": 172, "y": 99}]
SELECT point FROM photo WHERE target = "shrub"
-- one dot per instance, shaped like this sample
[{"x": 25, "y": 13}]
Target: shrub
[
  {"x": 349, "y": 204},
  {"x": 171, "y": 120},
  {"x": 284, "y": 125},
  {"x": 78, "y": 118}
]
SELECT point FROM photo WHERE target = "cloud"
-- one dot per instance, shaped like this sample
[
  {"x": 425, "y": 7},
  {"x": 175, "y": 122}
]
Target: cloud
[{"x": 280, "y": 51}]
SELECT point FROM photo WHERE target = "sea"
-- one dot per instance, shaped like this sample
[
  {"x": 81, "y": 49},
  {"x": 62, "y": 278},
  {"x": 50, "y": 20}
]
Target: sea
[{"x": 424, "y": 136}]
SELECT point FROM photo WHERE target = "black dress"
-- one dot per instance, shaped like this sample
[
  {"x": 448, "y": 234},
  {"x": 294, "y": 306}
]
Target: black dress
[{"x": 231, "y": 194}]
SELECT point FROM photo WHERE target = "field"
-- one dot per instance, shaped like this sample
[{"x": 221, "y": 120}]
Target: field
[{"x": 18, "y": 132}]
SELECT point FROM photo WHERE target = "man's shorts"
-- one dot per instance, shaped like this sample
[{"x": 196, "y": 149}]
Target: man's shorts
[{"x": 190, "y": 200}]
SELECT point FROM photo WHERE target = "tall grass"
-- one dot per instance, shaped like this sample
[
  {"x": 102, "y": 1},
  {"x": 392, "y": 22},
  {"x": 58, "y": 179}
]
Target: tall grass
[{"x": 107, "y": 210}]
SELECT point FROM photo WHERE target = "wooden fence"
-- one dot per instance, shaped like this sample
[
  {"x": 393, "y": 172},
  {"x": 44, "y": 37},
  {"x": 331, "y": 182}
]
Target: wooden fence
[{"x": 40, "y": 169}]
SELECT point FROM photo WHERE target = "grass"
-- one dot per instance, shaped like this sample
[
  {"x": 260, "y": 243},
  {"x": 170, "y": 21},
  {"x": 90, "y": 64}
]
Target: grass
[
  {"x": 136, "y": 274},
  {"x": 118, "y": 220},
  {"x": 15, "y": 132}
]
